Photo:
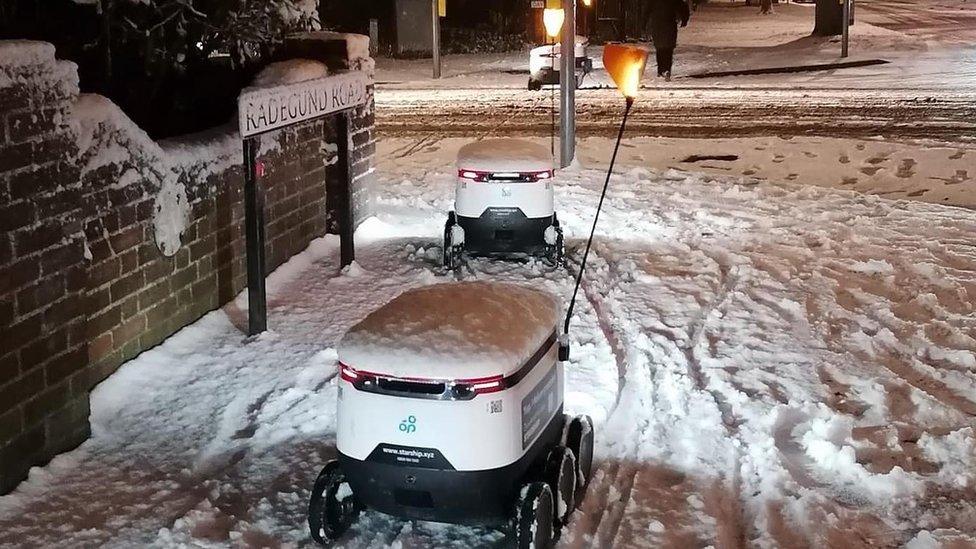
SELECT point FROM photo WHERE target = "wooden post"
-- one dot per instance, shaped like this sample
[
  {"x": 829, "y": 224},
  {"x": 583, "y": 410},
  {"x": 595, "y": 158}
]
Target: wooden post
[
  {"x": 347, "y": 249},
  {"x": 257, "y": 306}
]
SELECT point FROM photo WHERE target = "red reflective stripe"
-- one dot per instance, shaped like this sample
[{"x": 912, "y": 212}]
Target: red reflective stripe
[
  {"x": 344, "y": 368},
  {"x": 347, "y": 373},
  {"x": 481, "y": 176}
]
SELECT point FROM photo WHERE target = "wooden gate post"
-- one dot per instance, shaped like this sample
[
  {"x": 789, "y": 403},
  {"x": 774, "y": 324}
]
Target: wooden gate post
[
  {"x": 257, "y": 307},
  {"x": 347, "y": 248}
]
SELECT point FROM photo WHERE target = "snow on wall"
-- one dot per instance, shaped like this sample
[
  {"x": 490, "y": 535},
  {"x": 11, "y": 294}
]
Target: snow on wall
[
  {"x": 30, "y": 62},
  {"x": 19, "y": 53},
  {"x": 107, "y": 136},
  {"x": 291, "y": 71},
  {"x": 357, "y": 48}
]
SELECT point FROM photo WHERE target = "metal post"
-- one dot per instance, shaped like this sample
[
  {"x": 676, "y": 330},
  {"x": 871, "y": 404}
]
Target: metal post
[
  {"x": 257, "y": 305},
  {"x": 347, "y": 250},
  {"x": 846, "y": 38},
  {"x": 567, "y": 87},
  {"x": 436, "y": 38}
]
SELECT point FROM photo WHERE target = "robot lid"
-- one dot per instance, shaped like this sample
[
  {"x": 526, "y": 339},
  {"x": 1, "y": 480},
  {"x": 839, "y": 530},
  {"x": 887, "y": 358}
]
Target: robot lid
[
  {"x": 451, "y": 331},
  {"x": 504, "y": 155}
]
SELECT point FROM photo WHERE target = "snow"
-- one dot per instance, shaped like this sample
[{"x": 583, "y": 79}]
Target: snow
[
  {"x": 504, "y": 155},
  {"x": 357, "y": 45},
  {"x": 462, "y": 330},
  {"x": 33, "y": 65},
  {"x": 291, "y": 71},
  {"x": 723, "y": 36},
  {"x": 751, "y": 383},
  {"x": 22, "y": 53},
  {"x": 357, "y": 48},
  {"x": 107, "y": 136}
]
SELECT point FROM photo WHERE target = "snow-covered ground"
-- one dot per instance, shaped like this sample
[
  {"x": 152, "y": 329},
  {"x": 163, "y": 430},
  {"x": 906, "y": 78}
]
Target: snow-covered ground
[
  {"x": 723, "y": 36},
  {"x": 768, "y": 365},
  {"x": 927, "y": 91}
]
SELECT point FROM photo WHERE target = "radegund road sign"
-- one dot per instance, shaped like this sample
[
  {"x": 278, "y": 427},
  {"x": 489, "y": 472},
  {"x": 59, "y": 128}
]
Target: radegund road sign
[{"x": 264, "y": 109}]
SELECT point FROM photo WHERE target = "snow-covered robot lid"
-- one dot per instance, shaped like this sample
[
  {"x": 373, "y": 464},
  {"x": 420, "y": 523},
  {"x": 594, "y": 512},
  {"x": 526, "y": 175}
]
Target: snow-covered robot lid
[
  {"x": 452, "y": 331},
  {"x": 504, "y": 155}
]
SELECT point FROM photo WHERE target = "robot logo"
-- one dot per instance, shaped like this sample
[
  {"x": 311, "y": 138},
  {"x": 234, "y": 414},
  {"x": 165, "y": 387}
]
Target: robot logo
[{"x": 408, "y": 425}]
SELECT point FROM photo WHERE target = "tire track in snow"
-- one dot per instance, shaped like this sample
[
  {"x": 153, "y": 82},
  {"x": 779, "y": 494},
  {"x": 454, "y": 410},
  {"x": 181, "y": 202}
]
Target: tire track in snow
[{"x": 628, "y": 482}]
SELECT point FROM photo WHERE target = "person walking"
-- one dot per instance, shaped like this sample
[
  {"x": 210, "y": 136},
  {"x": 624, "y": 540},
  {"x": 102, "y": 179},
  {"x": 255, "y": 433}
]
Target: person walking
[{"x": 665, "y": 16}]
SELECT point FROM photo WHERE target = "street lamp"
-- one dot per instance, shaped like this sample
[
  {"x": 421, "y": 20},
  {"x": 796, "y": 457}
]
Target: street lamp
[
  {"x": 625, "y": 63},
  {"x": 553, "y": 19}
]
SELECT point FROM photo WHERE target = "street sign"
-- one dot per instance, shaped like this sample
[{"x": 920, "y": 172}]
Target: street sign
[
  {"x": 266, "y": 109},
  {"x": 262, "y": 110}
]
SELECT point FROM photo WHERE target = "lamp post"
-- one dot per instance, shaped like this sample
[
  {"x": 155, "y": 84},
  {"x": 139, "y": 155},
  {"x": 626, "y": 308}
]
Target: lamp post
[
  {"x": 846, "y": 31},
  {"x": 625, "y": 64},
  {"x": 552, "y": 19},
  {"x": 567, "y": 87},
  {"x": 436, "y": 36}
]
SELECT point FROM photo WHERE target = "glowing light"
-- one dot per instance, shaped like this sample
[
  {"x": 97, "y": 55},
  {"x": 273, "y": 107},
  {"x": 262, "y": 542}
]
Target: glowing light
[
  {"x": 553, "y": 19},
  {"x": 625, "y": 63},
  {"x": 587, "y": 3}
]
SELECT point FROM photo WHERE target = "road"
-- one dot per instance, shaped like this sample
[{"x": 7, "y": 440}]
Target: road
[{"x": 687, "y": 112}]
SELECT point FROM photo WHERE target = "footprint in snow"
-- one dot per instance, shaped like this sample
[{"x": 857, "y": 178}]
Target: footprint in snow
[
  {"x": 870, "y": 171},
  {"x": 907, "y": 168},
  {"x": 844, "y": 159},
  {"x": 957, "y": 155},
  {"x": 849, "y": 181}
]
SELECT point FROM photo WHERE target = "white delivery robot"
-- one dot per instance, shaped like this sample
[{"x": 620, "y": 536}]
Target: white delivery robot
[
  {"x": 544, "y": 64},
  {"x": 451, "y": 410},
  {"x": 504, "y": 202}
]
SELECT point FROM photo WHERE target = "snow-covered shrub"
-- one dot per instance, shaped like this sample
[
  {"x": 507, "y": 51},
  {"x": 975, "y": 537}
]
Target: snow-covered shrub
[{"x": 173, "y": 66}]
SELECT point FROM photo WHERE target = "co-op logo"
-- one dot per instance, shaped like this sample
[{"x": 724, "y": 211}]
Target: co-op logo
[{"x": 408, "y": 425}]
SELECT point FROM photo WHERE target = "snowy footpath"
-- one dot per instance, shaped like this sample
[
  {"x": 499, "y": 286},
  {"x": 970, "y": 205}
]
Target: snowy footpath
[{"x": 767, "y": 365}]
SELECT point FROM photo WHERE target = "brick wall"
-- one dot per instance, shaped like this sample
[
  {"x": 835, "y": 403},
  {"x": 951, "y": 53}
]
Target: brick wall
[
  {"x": 42, "y": 272},
  {"x": 84, "y": 285}
]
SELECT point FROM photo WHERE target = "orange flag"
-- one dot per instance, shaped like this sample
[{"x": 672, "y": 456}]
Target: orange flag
[{"x": 625, "y": 63}]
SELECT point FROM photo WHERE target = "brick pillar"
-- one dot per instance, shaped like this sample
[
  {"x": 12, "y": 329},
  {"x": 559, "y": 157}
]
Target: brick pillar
[{"x": 42, "y": 275}]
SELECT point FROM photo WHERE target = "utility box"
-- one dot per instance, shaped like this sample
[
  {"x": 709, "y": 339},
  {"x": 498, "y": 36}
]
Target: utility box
[{"x": 413, "y": 27}]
